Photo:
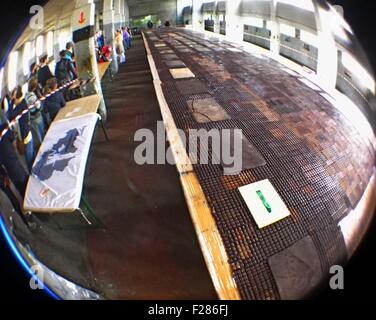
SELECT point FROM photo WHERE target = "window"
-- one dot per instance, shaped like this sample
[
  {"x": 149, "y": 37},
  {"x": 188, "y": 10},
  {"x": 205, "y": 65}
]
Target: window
[
  {"x": 39, "y": 47},
  {"x": 256, "y": 22},
  {"x": 356, "y": 69},
  {"x": 308, "y": 38},
  {"x": 302, "y": 4},
  {"x": 287, "y": 30},
  {"x": 64, "y": 37},
  {"x": 32, "y": 52},
  {"x": 208, "y": 16},
  {"x": 50, "y": 44},
  {"x": 26, "y": 58},
  {"x": 12, "y": 70}
]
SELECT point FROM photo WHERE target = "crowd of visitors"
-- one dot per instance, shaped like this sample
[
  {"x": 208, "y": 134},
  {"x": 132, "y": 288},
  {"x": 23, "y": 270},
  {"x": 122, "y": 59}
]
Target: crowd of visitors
[
  {"x": 26, "y": 116},
  {"x": 31, "y": 114},
  {"x": 123, "y": 42}
]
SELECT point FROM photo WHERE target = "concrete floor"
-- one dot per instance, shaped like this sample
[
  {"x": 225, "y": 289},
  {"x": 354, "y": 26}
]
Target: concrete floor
[{"x": 148, "y": 249}]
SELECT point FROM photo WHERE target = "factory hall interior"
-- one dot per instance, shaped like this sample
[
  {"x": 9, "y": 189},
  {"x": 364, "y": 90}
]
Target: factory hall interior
[{"x": 186, "y": 149}]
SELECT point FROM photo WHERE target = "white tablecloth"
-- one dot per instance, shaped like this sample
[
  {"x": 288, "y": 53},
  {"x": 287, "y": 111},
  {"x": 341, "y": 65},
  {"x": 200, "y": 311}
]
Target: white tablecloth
[{"x": 59, "y": 168}]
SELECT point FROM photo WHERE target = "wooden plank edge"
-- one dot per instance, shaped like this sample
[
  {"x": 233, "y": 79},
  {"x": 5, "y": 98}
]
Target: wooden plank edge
[{"x": 211, "y": 243}]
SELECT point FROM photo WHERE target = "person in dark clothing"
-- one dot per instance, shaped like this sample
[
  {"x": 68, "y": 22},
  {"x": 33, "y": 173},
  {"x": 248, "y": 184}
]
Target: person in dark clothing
[
  {"x": 33, "y": 70},
  {"x": 24, "y": 123},
  {"x": 54, "y": 102},
  {"x": 64, "y": 71},
  {"x": 6, "y": 106},
  {"x": 9, "y": 159},
  {"x": 44, "y": 73},
  {"x": 6, "y": 188},
  {"x": 130, "y": 36}
]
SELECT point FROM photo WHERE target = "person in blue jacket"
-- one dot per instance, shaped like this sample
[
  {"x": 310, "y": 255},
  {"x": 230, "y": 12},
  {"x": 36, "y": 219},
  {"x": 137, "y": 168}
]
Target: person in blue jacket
[
  {"x": 100, "y": 39},
  {"x": 64, "y": 70}
]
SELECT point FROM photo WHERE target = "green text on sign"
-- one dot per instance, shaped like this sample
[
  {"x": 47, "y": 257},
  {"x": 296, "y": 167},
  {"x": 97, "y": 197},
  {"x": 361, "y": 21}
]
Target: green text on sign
[{"x": 264, "y": 202}]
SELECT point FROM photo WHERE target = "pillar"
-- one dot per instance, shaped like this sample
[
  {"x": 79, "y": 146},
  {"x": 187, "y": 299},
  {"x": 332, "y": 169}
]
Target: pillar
[
  {"x": 327, "y": 65},
  {"x": 234, "y": 26},
  {"x": 117, "y": 14},
  {"x": 109, "y": 31},
  {"x": 217, "y": 20},
  {"x": 126, "y": 13},
  {"x": 275, "y": 40},
  {"x": 83, "y": 27},
  {"x": 122, "y": 12},
  {"x": 97, "y": 20},
  {"x": 57, "y": 32},
  {"x": 197, "y": 18}
]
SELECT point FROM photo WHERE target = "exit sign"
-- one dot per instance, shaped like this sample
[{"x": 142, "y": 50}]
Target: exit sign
[{"x": 264, "y": 203}]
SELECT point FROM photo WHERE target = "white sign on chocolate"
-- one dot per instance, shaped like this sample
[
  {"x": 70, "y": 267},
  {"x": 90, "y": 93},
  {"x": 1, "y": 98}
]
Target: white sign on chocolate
[{"x": 264, "y": 203}]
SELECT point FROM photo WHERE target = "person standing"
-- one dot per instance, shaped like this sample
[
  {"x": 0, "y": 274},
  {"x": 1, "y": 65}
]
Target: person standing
[
  {"x": 24, "y": 126},
  {"x": 126, "y": 37},
  {"x": 130, "y": 36},
  {"x": 33, "y": 70},
  {"x": 9, "y": 158},
  {"x": 120, "y": 46},
  {"x": 37, "y": 122},
  {"x": 64, "y": 70},
  {"x": 6, "y": 188},
  {"x": 70, "y": 51},
  {"x": 54, "y": 102},
  {"x": 99, "y": 40},
  {"x": 6, "y": 106},
  {"x": 44, "y": 73}
]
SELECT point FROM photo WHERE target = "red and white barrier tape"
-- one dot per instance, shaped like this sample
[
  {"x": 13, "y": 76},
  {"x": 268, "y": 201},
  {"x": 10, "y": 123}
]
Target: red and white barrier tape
[{"x": 15, "y": 120}]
